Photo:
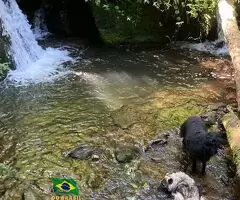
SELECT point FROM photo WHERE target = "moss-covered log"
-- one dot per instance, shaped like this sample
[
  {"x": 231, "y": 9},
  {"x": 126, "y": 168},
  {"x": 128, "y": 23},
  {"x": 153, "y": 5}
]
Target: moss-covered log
[{"x": 232, "y": 125}]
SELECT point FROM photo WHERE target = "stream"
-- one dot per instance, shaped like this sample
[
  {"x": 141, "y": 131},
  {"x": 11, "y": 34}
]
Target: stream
[{"x": 110, "y": 100}]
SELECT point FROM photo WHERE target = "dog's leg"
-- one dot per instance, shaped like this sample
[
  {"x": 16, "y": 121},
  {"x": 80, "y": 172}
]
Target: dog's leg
[
  {"x": 184, "y": 160},
  {"x": 203, "y": 167},
  {"x": 194, "y": 165}
]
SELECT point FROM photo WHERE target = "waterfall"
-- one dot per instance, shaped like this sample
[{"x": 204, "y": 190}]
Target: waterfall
[
  {"x": 217, "y": 47},
  {"x": 219, "y": 28},
  {"x": 39, "y": 27},
  {"x": 33, "y": 63}
]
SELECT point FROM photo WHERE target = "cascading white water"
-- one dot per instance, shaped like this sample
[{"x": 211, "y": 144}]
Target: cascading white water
[
  {"x": 39, "y": 27},
  {"x": 212, "y": 47},
  {"x": 23, "y": 46},
  {"x": 33, "y": 63}
]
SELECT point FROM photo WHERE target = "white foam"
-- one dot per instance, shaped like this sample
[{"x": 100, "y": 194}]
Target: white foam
[
  {"x": 207, "y": 47},
  {"x": 46, "y": 69}
]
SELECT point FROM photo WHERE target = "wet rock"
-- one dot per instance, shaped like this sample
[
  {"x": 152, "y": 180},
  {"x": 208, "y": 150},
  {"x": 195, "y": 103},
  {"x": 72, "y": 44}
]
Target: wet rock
[
  {"x": 7, "y": 178},
  {"x": 214, "y": 128},
  {"x": 166, "y": 135},
  {"x": 210, "y": 118},
  {"x": 160, "y": 142},
  {"x": 125, "y": 154},
  {"x": 29, "y": 195},
  {"x": 95, "y": 181},
  {"x": 216, "y": 106},
  {"x": 231, "y": 96},
  {"x": 153, "y": 192},
  {"x": 95, "y": 158},
  {"x": 215, "y": 113},
  {"x": 85, "y": 152},
  {"x": 219, "y": 44},
  {"x": 156, "y": 144}
]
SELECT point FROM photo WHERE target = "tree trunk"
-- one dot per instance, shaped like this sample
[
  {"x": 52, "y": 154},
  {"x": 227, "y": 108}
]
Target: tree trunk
[{"x": 232, "y": 37}]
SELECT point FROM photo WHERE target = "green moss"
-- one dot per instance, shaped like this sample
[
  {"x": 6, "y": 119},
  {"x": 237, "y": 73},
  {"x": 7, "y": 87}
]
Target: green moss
[
  {"x": 6, "y": 171},
  {"x": 4, "y": 67},
  {"x": 175, "y": 116},
  {"x": 112, "y": 38}
]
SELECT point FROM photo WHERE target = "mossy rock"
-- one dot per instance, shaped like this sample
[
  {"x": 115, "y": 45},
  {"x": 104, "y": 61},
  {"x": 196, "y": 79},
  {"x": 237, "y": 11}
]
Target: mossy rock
[
  {"x": 175, "y": 116},
  {"x": 112, "y": 38},
  {"x": 7, "y": 178},
  {"x": 4, "y": 68},
  {"x": 125, "y": 154}
]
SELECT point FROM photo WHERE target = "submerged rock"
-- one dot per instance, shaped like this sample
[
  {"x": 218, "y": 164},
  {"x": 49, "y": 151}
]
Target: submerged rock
[
  {"x": 95, "y": 181},
  {"x": 29, "y": 195},
  {"x": 7, "y": 178},
  {"x": 125, "y": 154},
  {"x": 85, "y": 152},
  {"x": 156, "y": 144}
]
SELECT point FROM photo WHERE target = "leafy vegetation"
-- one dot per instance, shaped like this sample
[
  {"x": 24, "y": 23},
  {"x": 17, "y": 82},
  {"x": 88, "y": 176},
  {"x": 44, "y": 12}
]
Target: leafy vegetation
[
  {"x": 4, "y": 67},
  {"x": 130, "y": 16}
]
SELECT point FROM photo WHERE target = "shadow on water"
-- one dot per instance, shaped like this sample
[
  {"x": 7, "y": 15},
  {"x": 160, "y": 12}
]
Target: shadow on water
[{"x": 112, "y": 99}]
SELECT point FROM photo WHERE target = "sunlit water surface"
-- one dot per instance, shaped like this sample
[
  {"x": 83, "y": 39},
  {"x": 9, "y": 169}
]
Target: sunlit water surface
[{"x": 110, "y": 98}]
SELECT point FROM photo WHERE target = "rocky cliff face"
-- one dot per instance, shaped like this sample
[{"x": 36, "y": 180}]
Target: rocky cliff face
[
  {"x": 2, "y": 52},
  {"x": 65, "y": 18}
]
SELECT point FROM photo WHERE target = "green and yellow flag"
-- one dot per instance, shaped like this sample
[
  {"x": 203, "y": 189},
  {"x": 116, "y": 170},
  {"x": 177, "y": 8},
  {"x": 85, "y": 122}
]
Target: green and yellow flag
[{"x": 65, "y": 186}]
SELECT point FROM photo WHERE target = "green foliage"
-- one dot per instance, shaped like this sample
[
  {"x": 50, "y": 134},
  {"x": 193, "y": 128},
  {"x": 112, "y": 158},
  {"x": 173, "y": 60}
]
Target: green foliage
[
  {"x": 122, "y": 15},
  {"x": 204, "y": 11},
  {"x": 175, "y": 116},
  {"x": 4, "y": 67},
  {"x": 183, "y": 12}
]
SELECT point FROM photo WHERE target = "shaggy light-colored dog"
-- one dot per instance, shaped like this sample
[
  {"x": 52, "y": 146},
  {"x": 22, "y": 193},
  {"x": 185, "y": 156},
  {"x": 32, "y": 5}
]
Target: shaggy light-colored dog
[{"x": 181, "y": 186}]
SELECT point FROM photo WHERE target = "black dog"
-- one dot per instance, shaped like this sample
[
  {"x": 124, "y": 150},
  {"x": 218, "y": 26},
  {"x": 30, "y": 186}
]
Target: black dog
[{"x": 199, "y": 145}]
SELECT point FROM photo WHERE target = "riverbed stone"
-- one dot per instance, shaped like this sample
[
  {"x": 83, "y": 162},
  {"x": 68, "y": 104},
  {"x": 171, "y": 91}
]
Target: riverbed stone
[
  {"x": 85, "y": 152},
  {"x": 95, "y": 181},
  {"x": 216, "y": 106},
  {"x": 156, "y": 144},
  {"x": 125, "y": 154},
  {"x": 7, "y": 178},
  {"x": 29, "y": 195},
  {"x": 210, "y": 118}
]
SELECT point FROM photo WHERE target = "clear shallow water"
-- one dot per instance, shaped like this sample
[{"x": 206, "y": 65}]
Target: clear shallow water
[{"x": 111, "y": 98}]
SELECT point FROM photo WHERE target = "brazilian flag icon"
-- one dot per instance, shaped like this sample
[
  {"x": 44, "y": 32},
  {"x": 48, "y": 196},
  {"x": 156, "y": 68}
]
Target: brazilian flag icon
[{"x": 65, "y": 186}]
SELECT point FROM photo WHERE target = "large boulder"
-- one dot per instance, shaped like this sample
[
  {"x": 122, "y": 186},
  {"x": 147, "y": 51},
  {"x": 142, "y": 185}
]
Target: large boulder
[{"x": 125, "y": 154}]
